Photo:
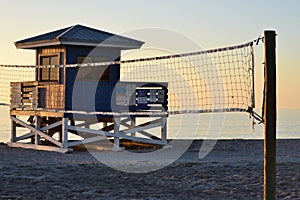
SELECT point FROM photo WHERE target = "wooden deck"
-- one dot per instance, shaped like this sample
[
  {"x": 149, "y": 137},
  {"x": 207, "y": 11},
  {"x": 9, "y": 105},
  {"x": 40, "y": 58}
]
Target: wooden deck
[{"x": 39, "y": 113}]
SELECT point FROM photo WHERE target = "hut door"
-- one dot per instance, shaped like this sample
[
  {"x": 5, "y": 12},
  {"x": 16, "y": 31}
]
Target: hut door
[{"x": 49, "y": 74}]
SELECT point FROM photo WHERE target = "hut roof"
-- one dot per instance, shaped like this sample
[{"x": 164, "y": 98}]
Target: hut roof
[{"x": 79, "y": 35}]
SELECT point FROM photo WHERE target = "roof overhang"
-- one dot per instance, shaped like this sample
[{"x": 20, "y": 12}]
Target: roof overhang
[
  {"x": 111, "y": 44},
  {"x": 37, "y": 44}
]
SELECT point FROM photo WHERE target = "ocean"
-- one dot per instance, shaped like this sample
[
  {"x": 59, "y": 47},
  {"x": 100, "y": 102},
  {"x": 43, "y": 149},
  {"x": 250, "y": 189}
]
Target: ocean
[{"x": 207, "y": 126}]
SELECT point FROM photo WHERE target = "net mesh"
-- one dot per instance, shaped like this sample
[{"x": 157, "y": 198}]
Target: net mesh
[
  {"x": 207, "y": 81},
  {"x": 13, "y": 73}
]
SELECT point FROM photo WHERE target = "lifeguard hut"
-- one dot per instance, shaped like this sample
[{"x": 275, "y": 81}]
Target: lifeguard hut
[{"x": 77, "y": 85}]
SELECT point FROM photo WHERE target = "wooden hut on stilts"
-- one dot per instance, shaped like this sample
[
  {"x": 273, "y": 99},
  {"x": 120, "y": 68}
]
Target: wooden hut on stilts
[{"x": 74, "y": 90}]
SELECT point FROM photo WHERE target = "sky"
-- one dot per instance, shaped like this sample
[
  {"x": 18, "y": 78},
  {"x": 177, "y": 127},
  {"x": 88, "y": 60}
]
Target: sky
[{"x": 209, "y": 24}]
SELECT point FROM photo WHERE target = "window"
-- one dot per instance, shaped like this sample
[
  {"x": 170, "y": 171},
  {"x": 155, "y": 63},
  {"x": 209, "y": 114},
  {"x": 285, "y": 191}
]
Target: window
[
  {"x": 49, "y": 74},
  {"x": 94, "y": 73}
]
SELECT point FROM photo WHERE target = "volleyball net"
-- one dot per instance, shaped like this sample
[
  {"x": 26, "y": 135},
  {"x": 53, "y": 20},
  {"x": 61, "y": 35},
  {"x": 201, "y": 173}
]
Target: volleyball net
[{"x": 218, "y": 80}]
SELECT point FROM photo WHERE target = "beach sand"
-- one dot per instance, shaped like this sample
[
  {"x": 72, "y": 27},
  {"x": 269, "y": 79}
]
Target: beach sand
[{"x": 232, "y": 170}]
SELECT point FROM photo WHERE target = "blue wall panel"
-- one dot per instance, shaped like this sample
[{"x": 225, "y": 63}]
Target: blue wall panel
[{"x": 90, "y": 95}]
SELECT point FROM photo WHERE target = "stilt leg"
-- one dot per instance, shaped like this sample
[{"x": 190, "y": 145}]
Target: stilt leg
[
  {"x": 104, "y": 124},
  {"x": 13, "y": 130},
  {"x": 164, "y": 130},
  {"x": 116, "y": 130},
  {"x": 86, "y": 124},
  {"x": 65, "y": 132},
  {"x": 132, "y": 124},
  {"x": 37, "y": 138}
]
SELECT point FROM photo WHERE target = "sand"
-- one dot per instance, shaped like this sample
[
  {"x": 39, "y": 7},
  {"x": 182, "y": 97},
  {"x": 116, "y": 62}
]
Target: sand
[{"x": 232, "y": 170}]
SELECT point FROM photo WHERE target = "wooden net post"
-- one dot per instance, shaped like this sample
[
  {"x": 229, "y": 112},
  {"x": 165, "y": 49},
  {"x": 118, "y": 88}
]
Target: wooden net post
[{"x": 270, "y": 116}]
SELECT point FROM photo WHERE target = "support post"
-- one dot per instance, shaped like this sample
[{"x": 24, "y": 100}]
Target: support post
[
  {"x": 37, "y": 138},
  {"x": 132, "y": 125},
  {"x": 164, "y": 130},
  {"x": 13, "y": 130},
  {"x": 117, "y": 130},
  {"x": 104, "y": 124},
  {"x": 270, "y": 116},
  {"x": 86, "y": 124},
  {"x": 65, "y": 132}
]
